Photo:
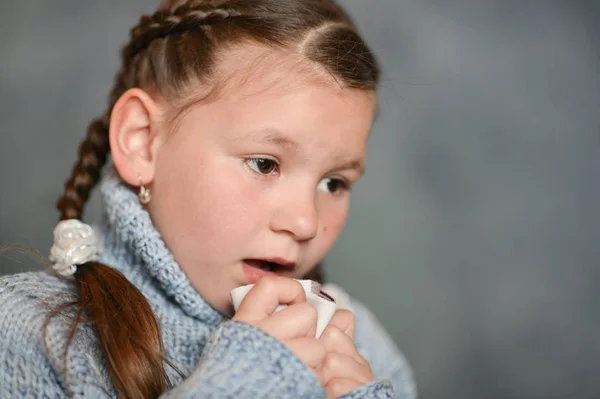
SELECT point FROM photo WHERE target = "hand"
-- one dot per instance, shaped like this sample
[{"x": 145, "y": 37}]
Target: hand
[
  {"x": 295, "y": 326},
  {"x": 343, "y": 368}
]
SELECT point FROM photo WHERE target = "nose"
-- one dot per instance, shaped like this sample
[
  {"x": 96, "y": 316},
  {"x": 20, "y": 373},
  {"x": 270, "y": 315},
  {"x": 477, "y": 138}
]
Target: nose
[{"x": 298, "y": 216}]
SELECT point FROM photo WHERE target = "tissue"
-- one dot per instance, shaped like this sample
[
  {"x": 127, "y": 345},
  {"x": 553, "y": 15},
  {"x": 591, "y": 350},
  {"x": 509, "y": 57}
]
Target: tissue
[{"x": 324, "y": 304}]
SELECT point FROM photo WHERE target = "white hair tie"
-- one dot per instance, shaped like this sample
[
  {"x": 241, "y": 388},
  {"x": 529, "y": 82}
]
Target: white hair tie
[{"x": 75, "y": 243}]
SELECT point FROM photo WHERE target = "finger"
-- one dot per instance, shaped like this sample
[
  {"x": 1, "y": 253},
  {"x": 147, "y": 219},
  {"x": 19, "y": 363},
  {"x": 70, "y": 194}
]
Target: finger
[
  {"x": 297, "y": 320},
  {"x": 345, "y": 321},
  {"x": 268, "y": 293},
  {"x": 340, "y": 386},
  {"x": 309, "y": 350},
  {"x": 336, "y": 365},
  {"x": 336, "y": 341}
]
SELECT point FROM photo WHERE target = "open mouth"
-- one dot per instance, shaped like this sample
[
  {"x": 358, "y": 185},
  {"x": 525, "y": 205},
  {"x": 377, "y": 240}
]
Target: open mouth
[
  {"x": 272, "y": 266},
  {"x": 269, "y": 266}
]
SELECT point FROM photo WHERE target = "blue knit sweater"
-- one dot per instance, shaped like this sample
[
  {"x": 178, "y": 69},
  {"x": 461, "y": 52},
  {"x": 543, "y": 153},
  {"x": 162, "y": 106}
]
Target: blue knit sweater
[{"x": 220, "y": 358}]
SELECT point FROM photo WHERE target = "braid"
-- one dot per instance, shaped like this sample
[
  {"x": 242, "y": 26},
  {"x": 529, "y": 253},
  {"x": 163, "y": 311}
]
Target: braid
[
  {"x": 93, "y": 152},
  {"x": 86, "y": 172},
  {"x": 163, "y": 23}
]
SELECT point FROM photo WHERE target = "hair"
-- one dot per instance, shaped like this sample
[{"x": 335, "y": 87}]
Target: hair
[{"x": 174, "y": 48}]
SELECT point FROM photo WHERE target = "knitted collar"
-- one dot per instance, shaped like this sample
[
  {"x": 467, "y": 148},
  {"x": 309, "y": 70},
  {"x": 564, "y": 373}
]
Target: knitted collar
[{"x": 130, "y": 237}]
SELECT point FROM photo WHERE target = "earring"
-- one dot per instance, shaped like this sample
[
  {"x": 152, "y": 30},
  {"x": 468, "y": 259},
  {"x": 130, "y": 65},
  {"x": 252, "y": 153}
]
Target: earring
[{"x": 144, "y": 194}]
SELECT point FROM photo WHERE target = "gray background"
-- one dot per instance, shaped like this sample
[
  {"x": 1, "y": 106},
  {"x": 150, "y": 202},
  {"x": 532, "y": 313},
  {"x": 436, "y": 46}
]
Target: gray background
[{"x": 474, "y": 235}]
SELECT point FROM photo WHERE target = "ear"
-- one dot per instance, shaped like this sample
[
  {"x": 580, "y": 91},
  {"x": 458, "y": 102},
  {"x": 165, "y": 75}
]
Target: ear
[{"x": 133, "y": 140}]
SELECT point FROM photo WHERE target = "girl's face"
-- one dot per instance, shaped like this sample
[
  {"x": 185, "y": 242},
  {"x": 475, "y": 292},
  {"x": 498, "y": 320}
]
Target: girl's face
[{"x": 261, "y": 174}]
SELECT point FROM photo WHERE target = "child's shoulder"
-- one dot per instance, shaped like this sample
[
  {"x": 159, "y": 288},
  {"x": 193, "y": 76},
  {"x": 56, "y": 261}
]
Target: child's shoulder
[
  {"x": 26, "y": 302},
  {"x": 25, "y": 289},
  {"x": 35, "y": 327}
]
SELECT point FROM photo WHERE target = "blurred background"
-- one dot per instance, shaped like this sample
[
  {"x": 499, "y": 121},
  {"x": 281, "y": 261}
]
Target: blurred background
[{"x": 474, "y": 235}]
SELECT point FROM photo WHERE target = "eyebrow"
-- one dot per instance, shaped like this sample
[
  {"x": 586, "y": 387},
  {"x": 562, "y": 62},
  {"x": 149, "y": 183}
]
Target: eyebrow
[
  {"x": 353, "y": 165},
  {"x": 274, "y": 137},
  {"x": 270, "y": 136}
]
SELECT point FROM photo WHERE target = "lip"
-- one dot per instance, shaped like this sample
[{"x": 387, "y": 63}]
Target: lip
[{"x": 253, "y": 272}]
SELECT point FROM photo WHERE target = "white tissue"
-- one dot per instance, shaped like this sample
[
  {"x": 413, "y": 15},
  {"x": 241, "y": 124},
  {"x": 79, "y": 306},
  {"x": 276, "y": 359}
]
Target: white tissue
[{"x": 325, "y": 308}]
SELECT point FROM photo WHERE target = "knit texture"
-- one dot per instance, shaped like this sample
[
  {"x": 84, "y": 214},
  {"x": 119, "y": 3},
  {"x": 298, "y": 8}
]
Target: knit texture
[{"x": 219, "y": 357}]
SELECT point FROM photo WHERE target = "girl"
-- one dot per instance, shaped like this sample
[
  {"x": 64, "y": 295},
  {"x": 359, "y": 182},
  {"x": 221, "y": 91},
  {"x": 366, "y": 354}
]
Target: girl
[{"x": 242, "y": 126}]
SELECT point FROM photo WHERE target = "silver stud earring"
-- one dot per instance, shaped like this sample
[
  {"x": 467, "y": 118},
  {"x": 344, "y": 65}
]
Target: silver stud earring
[{"x": 144, "y": 194}]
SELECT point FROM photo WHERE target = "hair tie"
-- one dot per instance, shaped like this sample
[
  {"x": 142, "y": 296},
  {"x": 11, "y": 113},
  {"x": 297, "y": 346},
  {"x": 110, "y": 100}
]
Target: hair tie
[{"x": 75, "y": 243}]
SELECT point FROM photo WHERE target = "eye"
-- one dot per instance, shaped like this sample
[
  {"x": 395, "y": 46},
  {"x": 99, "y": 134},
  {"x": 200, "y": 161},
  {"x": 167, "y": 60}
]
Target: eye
[
  {"x": 263, "y": 166},
  {"x": 332, "y": 185}
]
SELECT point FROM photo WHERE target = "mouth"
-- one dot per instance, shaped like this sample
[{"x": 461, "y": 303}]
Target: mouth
[
  {"x": 256, "y": 268},
  {"x": 273, "y": 265}
]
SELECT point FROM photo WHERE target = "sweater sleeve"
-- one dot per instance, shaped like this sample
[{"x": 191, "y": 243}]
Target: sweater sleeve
[{"x": 241, "y": 361}]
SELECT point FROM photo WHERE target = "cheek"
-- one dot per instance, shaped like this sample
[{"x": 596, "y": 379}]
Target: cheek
[
  {"x": 224, "y": 201},
  {"x": 333, "y": 221},
  {"x": 206, "y": 195},
  {"x": 330, "y": 224}
]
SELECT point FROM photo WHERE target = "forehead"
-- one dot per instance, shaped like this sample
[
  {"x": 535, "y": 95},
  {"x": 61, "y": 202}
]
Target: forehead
[
  {"x": 250, "y": 68},
  {"x": 270, "y": 90},
  {"x": 257, "y": 76}
]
